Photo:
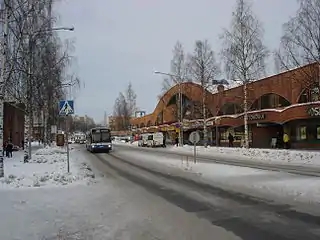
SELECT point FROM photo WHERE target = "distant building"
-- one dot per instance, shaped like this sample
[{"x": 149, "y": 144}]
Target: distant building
[{"x": 119, "y": 123}]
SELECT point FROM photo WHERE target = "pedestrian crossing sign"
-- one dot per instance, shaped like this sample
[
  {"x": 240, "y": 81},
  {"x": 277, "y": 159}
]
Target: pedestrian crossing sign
[{"x": 66, "y": 107}]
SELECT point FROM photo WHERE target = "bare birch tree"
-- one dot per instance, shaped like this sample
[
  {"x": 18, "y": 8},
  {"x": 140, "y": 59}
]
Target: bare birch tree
[
  {"x": 121, "y": 112},
  {"x": 203, "y": 70},
  {"x": 131, "y": 98},
  {"x": 300, "y": 45},
  {"x": 37, "y": 61},
  {"x": 178, "y": 69},
  {"x": 243, "y": 52},
  {"x": 124, "y": 108}
]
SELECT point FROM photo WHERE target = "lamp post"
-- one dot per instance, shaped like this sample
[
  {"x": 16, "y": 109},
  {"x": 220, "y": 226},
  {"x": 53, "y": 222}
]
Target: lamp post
[
  {"x": 217, "y": 122},
  {"x": 28, "y": 119},
  {"x": 180, "y": 105},
  {"x": 4, "y": 22}
]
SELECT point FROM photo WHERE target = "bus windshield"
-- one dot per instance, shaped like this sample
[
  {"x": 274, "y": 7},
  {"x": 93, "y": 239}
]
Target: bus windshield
[
  {"x": 96, "y": 137},
  {"x": 105, "y": 137},
  {"x": 101, "y": 135}
]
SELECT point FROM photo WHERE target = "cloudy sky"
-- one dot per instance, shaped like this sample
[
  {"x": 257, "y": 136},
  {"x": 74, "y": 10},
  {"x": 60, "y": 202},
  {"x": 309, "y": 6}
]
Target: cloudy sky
[{"x": 118, "y": 41}]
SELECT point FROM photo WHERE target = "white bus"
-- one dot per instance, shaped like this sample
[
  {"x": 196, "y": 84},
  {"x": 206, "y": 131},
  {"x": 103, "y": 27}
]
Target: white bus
[{"x": 99, "y": 140}]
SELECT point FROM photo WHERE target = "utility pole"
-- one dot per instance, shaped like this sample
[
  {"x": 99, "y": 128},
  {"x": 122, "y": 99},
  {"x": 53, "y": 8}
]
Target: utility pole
[
  {"x": 245, "y": 109},
  {"x": 179, "y": 100},
  {"x": 4, "y": 20},
  {"x": 48, "y": 109},
  {"x": 29, "y": 116},
  {"x": 180, "y": 113},
  {"x": 205, "y": 130}
]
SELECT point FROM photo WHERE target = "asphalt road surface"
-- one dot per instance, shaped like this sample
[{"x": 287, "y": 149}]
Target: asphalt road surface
[
  {"x": 246, "y": 217},
  {"x": 129, "y": 202}
]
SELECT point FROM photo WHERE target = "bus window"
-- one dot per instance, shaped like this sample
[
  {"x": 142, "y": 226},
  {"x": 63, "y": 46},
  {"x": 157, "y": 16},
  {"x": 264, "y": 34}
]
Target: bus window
[{"x": 105, "y": 136}]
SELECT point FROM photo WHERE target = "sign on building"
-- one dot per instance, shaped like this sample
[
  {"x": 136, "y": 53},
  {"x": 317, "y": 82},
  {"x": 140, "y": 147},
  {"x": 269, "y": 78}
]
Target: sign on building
[
  {"x": 256, "y": 116},
  {"x": 139, "y": 114},
  {"x": 314, "y": 111}
]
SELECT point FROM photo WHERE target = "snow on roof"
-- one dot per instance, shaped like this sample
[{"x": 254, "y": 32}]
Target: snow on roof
[{"x": 231, "y": 84}]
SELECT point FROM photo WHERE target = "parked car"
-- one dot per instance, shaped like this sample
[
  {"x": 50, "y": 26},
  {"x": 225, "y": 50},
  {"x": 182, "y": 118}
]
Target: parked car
[
  {"x": 155, "y": 140},
  {"x": 143, "y": 139}
]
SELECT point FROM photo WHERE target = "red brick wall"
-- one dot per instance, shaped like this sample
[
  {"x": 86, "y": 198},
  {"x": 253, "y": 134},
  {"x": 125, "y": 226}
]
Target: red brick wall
[
  {"x": 289, "y": 85},
  {"x": 13, "y": 125}
]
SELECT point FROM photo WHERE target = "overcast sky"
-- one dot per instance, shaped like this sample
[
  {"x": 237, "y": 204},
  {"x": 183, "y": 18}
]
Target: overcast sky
[{"x": 117, "y": 41}]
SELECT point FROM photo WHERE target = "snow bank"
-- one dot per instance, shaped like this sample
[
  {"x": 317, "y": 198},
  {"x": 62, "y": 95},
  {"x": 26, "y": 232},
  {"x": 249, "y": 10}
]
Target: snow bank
[
  {"x": 47, "y": 168},
  {"x": 277, "y": 156},
  {"x": 268, "y": 184}
]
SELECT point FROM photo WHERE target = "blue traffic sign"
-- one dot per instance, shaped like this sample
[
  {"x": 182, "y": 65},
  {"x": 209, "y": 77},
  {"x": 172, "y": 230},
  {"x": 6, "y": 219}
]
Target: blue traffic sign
[{"x": 66, "y": 107}]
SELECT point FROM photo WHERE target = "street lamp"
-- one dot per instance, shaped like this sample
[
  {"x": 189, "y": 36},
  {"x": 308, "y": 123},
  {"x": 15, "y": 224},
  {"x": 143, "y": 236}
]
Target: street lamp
[
  {"x": 32, "y": 41},
  {"x": 180, "y": 103}
]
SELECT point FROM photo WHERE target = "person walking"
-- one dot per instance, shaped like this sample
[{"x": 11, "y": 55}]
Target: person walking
[
  {"x": 177, "y": 141},
  {"x": 286, "y": 140},
  {"x": 9, "y": 149},
  {"x": 231, "y": 139},
  {"x": 164, "y": 140}
]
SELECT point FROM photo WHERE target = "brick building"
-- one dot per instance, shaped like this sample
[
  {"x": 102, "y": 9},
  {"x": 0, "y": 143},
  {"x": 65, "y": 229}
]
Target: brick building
[
  {"x": 13, "y": 123},
  {"x": 287, "y": 102}
]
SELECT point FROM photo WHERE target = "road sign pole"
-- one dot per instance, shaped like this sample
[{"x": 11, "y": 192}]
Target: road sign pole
[
  {"x": 67, "y": 141},
  {"x": 194, "y": 138},
  {"x": 66, "y": 108},
  {"x": 195, "y": 152}
]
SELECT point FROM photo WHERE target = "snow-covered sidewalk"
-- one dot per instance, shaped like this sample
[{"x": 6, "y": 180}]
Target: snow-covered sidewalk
[
  {"x": 271, "y": 156},
  {"x": 47, "y": 168}
]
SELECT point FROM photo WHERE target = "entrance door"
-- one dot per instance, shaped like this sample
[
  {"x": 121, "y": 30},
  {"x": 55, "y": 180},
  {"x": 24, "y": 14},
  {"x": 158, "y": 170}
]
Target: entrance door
[{"x": 262, "y": 135}]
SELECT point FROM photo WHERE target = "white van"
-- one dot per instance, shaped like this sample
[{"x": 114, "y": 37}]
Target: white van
[
  {"x": 155, "y": 140},
  {"x": 143, "y": 139}
]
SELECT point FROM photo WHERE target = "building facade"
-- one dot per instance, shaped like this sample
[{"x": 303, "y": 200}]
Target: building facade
[
  {"x": 13, "y": 123},
  {"x": 288, "y": 102}
]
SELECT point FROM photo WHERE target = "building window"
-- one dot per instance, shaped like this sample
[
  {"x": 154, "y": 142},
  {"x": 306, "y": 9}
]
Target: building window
[
  {"x": 302, "y": 133},
  {"x": 270, "y": 100},
  {"x": 310, "y": 95}
]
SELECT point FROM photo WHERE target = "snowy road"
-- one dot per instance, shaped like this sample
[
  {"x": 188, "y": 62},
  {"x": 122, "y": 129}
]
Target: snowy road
[
  {"x": 129, "y": 202},
  {"x": 245, "y": 216},
  {"x": 113, "y": 208}
]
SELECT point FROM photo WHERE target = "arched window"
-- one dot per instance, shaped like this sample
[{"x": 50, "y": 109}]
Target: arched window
[
  {"x": 270, "y": 100},
  {"x": 142, "y": 125},
  {"x": 175, "y": 99},
  {"x": 309, "y": 95},
  {"x": 149, "y": 123},
  {"x": 159, "y": 118},
  {"x": 230, "y": 108},
  {"x": 194, "y": 110}
]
